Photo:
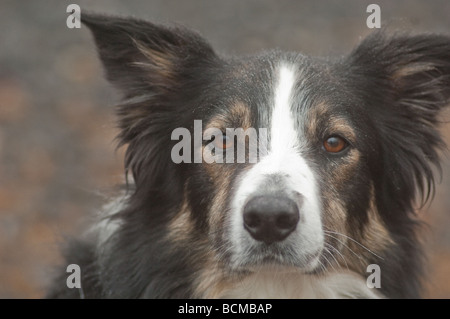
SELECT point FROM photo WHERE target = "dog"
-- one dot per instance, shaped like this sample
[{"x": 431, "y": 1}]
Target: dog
[{"x": 351, "y": 148}]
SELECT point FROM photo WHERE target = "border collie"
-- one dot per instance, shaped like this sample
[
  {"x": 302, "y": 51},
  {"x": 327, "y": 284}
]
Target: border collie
[{"x": 351, "y": 148}]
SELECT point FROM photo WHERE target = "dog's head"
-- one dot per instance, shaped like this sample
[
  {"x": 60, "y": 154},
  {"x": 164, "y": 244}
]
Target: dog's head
[{"x": 342, "y": 145}]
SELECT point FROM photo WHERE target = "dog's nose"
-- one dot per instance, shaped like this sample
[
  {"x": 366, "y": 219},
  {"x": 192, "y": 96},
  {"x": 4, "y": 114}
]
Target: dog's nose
[{"x": 270, "y": 218}]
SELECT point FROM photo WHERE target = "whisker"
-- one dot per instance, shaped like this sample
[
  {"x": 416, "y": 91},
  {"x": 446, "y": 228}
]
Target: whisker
[
  {"x": 324, "y": 269},
  {"x": 329, "y": 263},
  {"x": 342, "y": 256},
  {"x": 355, "y": 241},
  {"x": 361, "y": 260},
  {"x": 332, "y": 255}
]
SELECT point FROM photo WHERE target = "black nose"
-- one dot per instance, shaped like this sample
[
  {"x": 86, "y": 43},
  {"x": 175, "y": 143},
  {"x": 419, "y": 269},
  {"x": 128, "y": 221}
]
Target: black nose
[{"x": 270, "y": 218}]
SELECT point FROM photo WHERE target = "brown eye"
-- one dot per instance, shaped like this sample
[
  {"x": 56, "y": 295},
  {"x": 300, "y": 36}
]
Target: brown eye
[
  {"x": 335, "y": 144},
  {"x": 223, "y": 143}
]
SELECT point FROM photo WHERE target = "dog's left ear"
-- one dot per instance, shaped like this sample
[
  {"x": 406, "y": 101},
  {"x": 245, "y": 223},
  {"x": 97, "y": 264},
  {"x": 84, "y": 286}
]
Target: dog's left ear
[
  {"x": 407, "y": 82},
  {"x": 416, "y": 69}
]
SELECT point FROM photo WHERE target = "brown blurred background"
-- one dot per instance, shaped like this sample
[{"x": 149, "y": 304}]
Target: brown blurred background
[{"x": 57, "y": 150}]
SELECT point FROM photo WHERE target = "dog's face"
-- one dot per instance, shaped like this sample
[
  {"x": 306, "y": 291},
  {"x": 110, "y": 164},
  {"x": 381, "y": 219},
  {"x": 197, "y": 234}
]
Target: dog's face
[
  {"x": 346, "y": 143},
  {"x": 293, "y": 206}
]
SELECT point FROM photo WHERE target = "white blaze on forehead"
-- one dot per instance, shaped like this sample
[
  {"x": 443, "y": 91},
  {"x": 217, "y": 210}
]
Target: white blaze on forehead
[{"x": 283, "y": 133}]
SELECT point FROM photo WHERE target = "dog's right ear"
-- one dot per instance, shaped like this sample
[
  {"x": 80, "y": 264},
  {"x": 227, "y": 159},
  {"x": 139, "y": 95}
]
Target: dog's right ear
[
  {"x": 155, "y": 67},
  {"x": 141, "y": 58}
]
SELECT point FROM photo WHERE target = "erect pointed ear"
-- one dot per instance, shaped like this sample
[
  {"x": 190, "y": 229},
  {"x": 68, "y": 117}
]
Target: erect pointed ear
[
  {"x": 415, "y": 68},
  {"x": 140, "y": 56},
  {"x": 408, "y": 80},
  {"x": 156, "y": 68}
]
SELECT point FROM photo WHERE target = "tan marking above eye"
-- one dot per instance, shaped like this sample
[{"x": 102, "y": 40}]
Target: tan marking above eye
[
  {"x": 238, "y": 115},
  {"x": 335, "y": 144},
  {"x": 223, "y": 143},
  {"x": 322, "y": 119}
]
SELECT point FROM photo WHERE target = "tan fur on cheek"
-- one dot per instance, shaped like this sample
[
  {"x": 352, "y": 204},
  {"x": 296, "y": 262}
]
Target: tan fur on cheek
[
  {"x": 344, "y": 170},
  {"x": 182, "y": 226},
  {"x": 376, "y": 235},
  {"x": 369, "y": 244},
  {"x": 209, "y": 279},
  {"x": 335, "y": 215},
  {"x": 218, "y": 210},
  {"x": 334, "y": 220},
  {"x": 357, "y": 247}
]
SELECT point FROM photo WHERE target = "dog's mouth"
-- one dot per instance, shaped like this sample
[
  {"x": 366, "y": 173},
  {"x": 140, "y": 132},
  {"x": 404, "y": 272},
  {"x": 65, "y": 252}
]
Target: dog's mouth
[{"x": 278, "y": 258}]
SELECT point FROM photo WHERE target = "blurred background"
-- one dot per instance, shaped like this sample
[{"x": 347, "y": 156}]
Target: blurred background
[{"x": 58, "y": 158}]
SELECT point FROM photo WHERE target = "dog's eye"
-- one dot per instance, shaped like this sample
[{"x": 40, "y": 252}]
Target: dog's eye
[
  {"x": 335, "y": 144},
  {"x": 224, "y": 143}
]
